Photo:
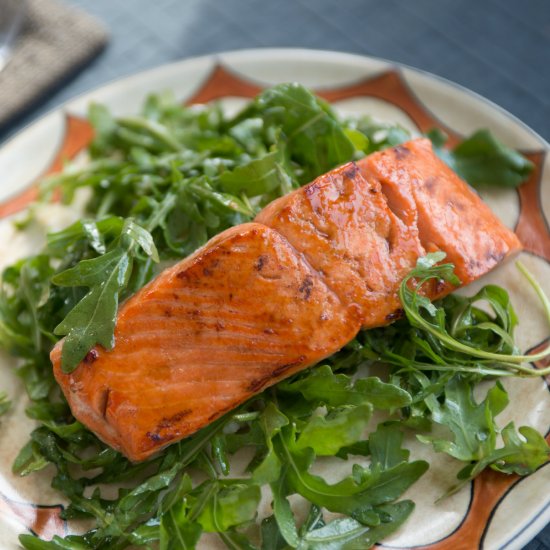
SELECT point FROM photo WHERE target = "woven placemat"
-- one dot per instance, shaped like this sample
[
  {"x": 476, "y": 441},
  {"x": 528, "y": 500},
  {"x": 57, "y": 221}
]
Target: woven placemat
[{"x": 55, "y": 41}]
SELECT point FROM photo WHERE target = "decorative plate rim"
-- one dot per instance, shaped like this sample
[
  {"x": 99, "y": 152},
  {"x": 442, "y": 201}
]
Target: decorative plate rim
[{"x": 273, "y": 52}]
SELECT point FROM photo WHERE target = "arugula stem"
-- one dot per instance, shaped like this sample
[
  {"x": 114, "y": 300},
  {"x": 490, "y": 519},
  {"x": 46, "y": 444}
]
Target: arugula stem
[
  {"x": 105, "y": 205},
  {"x": 512, "y": 362},
  {"x": 160, "y": 213},
  {"x": 212, "y": 472},
  {"x": 228, "y": 541},
  {"x": 537, "y": 288},
  {"x": 155, "y": 129},
  {"x": 202, "y": 501},
  {"x": 460, "y": 368}
]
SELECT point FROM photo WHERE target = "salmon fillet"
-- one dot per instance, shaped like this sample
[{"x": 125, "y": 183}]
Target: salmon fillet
[
  {"x": 263, "y": 300},
  {"x": 238, "y": 315}
]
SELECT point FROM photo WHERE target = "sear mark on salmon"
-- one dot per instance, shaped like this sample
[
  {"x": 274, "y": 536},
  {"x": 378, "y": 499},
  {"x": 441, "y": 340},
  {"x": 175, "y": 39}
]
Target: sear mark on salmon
[
  {"x": 494, "y": 257},
  {"x": 394, "y": 315},
  {"x": 168, "y": 422},
  {"x": 259, "y": 383},
  {"x": 157, "y": 438},
  {"x": 262, "y": 260},
  {"x": 401, "y": 151},
  {"x": 305, "y": 287},
  {"x": 350, "y": 170},
  {"x": 91, "y": 356},
  {"x": 104, "y": 402},
  {"x": 431, "y": 183}
]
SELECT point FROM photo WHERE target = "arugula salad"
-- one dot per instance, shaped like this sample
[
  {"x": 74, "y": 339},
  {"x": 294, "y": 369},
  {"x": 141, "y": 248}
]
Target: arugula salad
[{"x": 159, "y": 185}]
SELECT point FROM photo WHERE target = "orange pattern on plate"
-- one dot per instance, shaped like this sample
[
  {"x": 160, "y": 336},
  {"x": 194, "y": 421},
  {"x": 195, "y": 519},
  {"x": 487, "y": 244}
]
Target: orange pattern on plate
[
  {"x": 390, "y": 86},
  {"x": 44, "y": 521},
  {"x": 532, "y": 227},
  {"x": 78, "y": 134},
  {"x": 488, "y": 489},
  {"x": 222, "y": 83}
]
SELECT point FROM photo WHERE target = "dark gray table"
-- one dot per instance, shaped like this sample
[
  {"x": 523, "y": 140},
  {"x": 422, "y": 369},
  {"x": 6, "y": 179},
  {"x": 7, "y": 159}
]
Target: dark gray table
[{"x": 498, "y": 48}]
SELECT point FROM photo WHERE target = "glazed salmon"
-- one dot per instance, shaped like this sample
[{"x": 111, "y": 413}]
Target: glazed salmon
[
  {"x": 263, "y": 300},
  {"x": 238, "y": 315}
]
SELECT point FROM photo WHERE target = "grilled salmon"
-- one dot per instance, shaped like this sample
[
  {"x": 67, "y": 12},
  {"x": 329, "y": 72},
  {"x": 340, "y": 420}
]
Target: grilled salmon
[
  {"x": 238, "y": 315},
  {"x": 263, "y": 300}
]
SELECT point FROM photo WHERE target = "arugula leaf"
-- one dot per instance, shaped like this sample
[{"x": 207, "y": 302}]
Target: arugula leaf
[
  {"x": 482, "y": 160},
  {"x": 45, "y": 410},
  {"x": 432, "y": 320},
  {"x": 94, "y": 232},
  {"x": 385, "y": 447},
  {"x": 313, "y": 520},
  {"x": 271, "y": 422},
  {"x": 219, "y": 454},
  {"x": 91, "y": 272},
  {"x": 358, "y": 495},
  {"x": 472, "y": 424},
  {"x": 310, "y": 128},
  {"x": 349, "y": 534},
  {"x": 475, "y": 434},
  {"x": 338, "y": 390},
  {"x": 271, "y": 535},
  {"x": 230, "y": 506},
  {"x": 363, "y": 490},
  {"x": 176, "y": 531},
  {"x": 141, "y": 237},
  {"x": 261, "y": 176},
  {"x": 22, "y": 325},
  {"x": 104, "y": 127},
  {"x": 235, "y": 540},
  {"x": 379, "y": 135},
  {"x": 344, "y": 533},
  {"x": 282, "y": 512},
  {"x": 70, "y": 542},
  {"x": 520, "y": 456},
  {"x": 326, "y": 435},
  {"x": 92, "y": 320},
  {"x": 359, "y": 139}
]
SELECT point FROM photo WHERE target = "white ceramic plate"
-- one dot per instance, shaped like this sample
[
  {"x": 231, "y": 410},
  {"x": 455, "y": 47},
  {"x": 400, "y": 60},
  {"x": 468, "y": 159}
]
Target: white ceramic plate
[{"x": 495, "y": 511}]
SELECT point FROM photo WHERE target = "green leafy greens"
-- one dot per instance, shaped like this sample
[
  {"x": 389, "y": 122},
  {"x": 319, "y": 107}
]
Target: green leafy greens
[
  {"x": 162, "y": 184},
  {"x": 483, "y": 161},
  {"x": 474, "y": 433},
  {"x": 92, "y": 320}
]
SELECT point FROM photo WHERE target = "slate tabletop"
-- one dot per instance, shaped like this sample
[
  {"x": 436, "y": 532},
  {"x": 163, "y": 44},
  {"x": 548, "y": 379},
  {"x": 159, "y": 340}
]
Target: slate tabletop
[{"x": 498, "y": 48}]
